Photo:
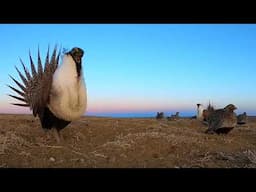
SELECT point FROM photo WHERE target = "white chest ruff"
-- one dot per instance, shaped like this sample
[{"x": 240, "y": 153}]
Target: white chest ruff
[
  {"x": 200, "y": 112},
  {"x": 68, "y": 99}
]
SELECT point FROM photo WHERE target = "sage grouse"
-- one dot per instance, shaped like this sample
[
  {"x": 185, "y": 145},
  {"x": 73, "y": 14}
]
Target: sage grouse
[
  {"x": 200, "y": 109},
  {"x": 160, "y": 115},
  {"x": 56, "y": 93},
  {"x": 222, "y": 120},
  {"x": 242, "y": 119}
]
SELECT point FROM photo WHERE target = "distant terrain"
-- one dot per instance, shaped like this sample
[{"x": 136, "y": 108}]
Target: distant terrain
[{"x": 101, "y": 142}]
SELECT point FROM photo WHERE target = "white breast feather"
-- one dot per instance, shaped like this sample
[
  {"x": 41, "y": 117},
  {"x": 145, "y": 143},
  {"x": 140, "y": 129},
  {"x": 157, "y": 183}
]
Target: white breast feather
[
  {"x": 68, "y": 98},
  {"x": 200, "y": 112}
]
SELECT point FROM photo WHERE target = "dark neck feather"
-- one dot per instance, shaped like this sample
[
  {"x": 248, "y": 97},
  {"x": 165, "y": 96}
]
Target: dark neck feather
[
  {"x": 77, "y": 54},
  {"x": 78, "y": 69}
]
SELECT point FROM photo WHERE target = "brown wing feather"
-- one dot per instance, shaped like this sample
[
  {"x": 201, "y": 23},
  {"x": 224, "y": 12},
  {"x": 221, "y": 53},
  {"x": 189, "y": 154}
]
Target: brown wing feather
[
  {"x": 37, "y": 86},
  {"x": 216, "y": 119}
]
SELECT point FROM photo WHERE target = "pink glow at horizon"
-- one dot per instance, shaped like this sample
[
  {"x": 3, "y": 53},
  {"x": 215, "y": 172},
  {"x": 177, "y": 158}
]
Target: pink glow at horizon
[
  {"x": 7, "y": 108},
  {"x": 14, "y": 110},
  {"x": 106, "y": 107},
  {"x": 139, "y": 105},
  {"x": 118, "y": 105}
]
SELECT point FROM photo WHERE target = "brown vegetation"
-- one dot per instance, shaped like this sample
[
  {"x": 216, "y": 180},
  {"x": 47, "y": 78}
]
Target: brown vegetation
[{"x": 125, "y": 142}]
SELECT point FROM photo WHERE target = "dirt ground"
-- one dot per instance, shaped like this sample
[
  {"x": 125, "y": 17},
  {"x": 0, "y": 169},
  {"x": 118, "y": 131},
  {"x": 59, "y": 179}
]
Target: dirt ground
[{"x": 97, "y": 142}]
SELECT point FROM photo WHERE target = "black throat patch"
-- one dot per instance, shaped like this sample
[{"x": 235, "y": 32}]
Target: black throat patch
[
  {"x": 78, "y": 69},
  {"x": 77, "y": 54}
]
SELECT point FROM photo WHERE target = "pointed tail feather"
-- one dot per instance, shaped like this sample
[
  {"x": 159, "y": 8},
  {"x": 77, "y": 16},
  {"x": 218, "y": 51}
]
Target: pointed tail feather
[
  {"x": 19, "y": 104},
  {"x": 39, "y": 65},
  {"x": 19, "y": 98},
  {"x": 33, "y": 69},
  {"x": 26, "y": 71},
  {"x": 35, "y": 87},
  {"x": 17, "y": 91},
  {"x": 53, "y": 59},
  {"x": 22, "y": 77},
  {"x": 20, "y": 85},
  {"x": 47, "y": 64}
]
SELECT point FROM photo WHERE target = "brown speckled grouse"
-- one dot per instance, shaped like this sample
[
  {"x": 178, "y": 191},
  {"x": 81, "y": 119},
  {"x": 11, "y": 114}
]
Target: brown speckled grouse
[{"x": 222, "y": 120}]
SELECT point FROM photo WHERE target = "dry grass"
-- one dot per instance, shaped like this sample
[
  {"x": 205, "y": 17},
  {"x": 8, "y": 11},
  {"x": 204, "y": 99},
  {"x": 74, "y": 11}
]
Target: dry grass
[{"x": 125, "y": 142}]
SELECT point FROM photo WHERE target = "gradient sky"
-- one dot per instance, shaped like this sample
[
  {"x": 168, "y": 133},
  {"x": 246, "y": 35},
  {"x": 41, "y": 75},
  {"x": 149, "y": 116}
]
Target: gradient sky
[{"x": 144, "y": 68}]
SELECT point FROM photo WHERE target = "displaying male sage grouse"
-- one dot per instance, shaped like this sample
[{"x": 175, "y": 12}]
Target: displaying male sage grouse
[
  {"x": 222, "y": 120},
  {"x": 199, "y": 114},
  {"x": 56, "y": 93}
]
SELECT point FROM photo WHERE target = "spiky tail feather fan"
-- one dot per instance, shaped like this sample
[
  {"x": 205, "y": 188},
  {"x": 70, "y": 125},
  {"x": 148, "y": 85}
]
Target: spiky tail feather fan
[{"x": 35, "y": 90}]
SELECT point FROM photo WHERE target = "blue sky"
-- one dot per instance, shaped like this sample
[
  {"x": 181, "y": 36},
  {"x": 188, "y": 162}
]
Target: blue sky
[{"x": 144, "y": 68}]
